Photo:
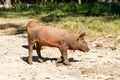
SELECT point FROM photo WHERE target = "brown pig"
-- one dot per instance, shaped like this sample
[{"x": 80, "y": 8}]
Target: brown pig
[{"x": 54, "y": 37}]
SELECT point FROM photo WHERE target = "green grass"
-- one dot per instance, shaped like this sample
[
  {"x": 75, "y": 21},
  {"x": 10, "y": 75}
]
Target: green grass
[{"x": 96, "y": 19}]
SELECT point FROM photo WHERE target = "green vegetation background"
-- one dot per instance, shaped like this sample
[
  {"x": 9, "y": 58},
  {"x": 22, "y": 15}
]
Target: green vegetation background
[{"x": 95, "y": 18}]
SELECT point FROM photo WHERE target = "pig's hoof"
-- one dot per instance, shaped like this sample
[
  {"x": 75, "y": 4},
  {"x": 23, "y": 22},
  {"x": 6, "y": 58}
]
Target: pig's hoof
[
  {"x": 30, "y": 61},
  {"x": 67, "y": 63},
  {"x": 40, "y": 60},
  {"x": 59, "y": 60}
]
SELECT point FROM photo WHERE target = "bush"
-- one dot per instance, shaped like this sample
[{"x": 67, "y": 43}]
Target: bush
[{"x": 72, "y": 8}]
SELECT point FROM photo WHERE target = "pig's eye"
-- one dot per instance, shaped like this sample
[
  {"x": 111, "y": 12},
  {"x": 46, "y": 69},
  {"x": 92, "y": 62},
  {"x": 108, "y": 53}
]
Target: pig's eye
[{"x": 83, "y": 41}]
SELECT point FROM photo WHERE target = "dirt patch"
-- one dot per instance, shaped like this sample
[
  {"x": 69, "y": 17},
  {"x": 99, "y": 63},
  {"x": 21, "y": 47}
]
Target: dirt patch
[{"x": 13, "y": 26}]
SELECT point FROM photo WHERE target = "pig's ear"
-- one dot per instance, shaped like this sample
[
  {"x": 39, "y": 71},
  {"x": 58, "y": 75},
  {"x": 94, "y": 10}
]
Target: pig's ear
[{"x": 81, "y": 34}]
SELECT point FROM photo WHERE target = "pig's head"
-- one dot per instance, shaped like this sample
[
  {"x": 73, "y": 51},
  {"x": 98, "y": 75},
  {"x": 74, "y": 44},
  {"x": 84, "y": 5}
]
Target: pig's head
[{"x": 81, "y": 43}]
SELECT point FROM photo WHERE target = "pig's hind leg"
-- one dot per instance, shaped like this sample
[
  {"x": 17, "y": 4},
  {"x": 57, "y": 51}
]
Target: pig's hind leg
[{"x": 38, "y": 49}]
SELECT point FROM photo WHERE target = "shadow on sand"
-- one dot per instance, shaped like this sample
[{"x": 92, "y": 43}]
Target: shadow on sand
[
  {"x": 26, "y": 47},
  {"x": 35, "y": 59}
]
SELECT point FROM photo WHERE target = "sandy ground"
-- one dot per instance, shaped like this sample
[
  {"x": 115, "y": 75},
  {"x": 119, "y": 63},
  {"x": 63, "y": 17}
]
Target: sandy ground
[{"x": 100, "y": 63}]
